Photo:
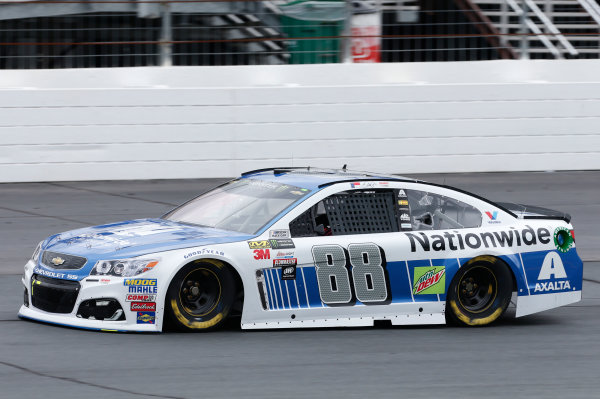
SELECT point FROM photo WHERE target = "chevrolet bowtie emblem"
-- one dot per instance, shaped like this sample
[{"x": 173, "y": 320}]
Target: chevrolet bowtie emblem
[{"x": 57, "y": 261}]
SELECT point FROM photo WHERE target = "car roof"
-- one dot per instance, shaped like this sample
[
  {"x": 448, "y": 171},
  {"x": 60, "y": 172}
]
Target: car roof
[{"x": 317, "y": 178}]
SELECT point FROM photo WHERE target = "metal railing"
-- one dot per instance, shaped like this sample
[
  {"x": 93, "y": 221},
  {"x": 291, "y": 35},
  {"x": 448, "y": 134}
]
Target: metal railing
[{"x": 115, "y": 33}]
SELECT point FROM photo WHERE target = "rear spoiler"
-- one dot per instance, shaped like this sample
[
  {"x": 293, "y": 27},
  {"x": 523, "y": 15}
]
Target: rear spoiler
[{"x": 535, "y": 212}]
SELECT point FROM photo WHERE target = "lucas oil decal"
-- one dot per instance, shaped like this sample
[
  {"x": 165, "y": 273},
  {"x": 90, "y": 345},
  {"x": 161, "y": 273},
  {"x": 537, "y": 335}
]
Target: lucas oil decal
[{"x": 429, "y": 280}]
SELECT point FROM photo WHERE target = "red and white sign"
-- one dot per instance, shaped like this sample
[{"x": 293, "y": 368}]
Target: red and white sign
[
  {"x": 140, "y": 298},
  {"x": 366, "y": 37},
  {"x": 143, "y": 306}
]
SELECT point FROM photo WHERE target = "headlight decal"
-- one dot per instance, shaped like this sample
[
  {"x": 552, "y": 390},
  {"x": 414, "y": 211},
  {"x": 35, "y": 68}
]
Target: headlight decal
[{"x": 123, "y": 267}]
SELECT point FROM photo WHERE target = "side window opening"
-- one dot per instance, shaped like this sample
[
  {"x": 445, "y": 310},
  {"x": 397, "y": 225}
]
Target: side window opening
[
  {"x": 350, "y": 212},
  {"x": 437, "y": 212}
]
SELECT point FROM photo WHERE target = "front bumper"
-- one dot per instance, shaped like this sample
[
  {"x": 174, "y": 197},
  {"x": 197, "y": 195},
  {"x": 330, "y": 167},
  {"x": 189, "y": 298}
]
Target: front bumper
[{"x": 90, "y": 288}]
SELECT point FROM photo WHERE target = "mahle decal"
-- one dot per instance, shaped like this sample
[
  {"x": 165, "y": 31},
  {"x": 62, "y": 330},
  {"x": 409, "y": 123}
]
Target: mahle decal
[{"x": 429, "y": 280}]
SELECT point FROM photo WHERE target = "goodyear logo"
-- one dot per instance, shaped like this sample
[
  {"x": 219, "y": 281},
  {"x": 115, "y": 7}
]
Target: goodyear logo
[
  {"x": 146, "y": 317},
  {"x": 140, "y": 282},
  {"x": 259, "y": 244}
]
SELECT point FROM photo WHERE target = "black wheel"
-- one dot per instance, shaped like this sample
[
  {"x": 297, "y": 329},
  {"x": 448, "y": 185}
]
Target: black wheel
[
  {"x": 200, "y": 296},
  {"x": 479, "y": 293}
]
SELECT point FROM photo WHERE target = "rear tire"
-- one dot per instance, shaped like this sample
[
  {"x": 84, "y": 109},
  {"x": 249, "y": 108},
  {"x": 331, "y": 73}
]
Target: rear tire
[
  {"x": 479, "y": 293},
  {"x": 200, "y": 296}
]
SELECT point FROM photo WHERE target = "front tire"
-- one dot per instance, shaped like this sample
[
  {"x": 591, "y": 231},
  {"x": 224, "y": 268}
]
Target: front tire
[
  {"x": 479, "y": 293},
  {"x": 200, "y": 296}
]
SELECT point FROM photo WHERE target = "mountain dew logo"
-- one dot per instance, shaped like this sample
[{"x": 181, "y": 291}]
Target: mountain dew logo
[{"x": 429, "y": 280}]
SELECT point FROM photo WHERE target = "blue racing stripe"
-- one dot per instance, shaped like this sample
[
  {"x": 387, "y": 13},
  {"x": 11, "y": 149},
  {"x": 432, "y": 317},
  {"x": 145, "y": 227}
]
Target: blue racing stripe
[
  {"x": 283, "y": 288},
  {"x": 312, "y": 287}
]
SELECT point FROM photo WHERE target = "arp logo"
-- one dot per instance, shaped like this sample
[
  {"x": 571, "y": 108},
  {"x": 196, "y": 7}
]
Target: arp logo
[
  {"x": 259, "y": 244},
  {"x": 260, "y": 254},
  {"x": 492, "y": 215}
]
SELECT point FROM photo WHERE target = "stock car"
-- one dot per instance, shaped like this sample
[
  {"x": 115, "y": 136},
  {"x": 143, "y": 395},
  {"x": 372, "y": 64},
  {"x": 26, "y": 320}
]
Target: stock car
[{"x": 304, "y": 247}]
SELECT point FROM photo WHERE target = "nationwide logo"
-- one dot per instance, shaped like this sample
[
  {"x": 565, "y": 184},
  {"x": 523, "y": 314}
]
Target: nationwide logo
[
  {"x": 429, "y": 280},
  {"x": 146, "y": 317},
  {"x": 552, "y": 269},
  {"x": 143, "y": 306},
  {"x": 455, "y": 241},
  {"x": 140, "y": 298}
]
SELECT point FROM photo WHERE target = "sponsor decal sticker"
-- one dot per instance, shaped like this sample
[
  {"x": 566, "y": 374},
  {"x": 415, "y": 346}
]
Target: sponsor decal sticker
[
  {"x": 552, "y": 269},
  {"x": 402, "y": 202},
  {"x": 143, "y": 306},
  {"x": 493, "y": 216},
  {"x": 455, "y": 240},
  {"x": 286, "y": 254},
  {"x": 401, "y": 193},
  {"x": 204, "y": 251},
  {"x": 429, "y": 280},
  {"x": 259, "y": 244},
  {"x": 285, "y": 262},
  {"x": 140, "y": 298},
  {"x": 406, "y": 226},
  {"x": 279, "y": 234},
  {"x": 146, "y": 317},
  {"x": 285, "y": 243},
  {"x": 405, "y": 217},
  {"x": 260, "y": 254},
  {"x": 355, "y": 185},
  {"x": 563, "y": 240},
  {"x": 288, "y": 273},
  {"x": 141, "y": 286}
]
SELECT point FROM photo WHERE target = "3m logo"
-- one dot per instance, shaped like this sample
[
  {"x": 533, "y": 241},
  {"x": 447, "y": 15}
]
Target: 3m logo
[
  {"x": 429, "y": 280},
  {"x": 260, "y": 254},
  {"x": 492, "y": 215},
  {"x": 259, "y": 244}
]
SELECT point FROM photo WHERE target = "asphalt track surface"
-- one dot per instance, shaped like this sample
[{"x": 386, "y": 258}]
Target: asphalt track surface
[{"x": 554, "y": 354}]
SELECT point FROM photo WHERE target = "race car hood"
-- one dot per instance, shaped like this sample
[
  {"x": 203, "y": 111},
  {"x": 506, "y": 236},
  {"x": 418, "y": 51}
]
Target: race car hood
[{"x": 131, "y": 239}]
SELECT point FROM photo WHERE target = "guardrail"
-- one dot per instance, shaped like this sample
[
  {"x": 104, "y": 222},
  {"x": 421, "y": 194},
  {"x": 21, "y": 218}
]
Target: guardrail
[{"x": 190, "y": 122}]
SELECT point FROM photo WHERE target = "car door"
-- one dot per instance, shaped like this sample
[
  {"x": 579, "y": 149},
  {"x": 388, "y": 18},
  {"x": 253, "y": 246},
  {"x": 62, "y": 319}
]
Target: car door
[{"x": 342, "y": 241}]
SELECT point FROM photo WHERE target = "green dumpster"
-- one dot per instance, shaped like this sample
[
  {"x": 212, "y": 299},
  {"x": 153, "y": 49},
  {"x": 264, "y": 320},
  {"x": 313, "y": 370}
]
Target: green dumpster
[{"x": 313, "y": 28}]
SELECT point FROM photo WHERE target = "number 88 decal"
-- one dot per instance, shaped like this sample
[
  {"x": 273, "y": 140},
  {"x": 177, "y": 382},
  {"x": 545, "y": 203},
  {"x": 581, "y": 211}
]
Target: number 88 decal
[{"x": 368, "y": 273}]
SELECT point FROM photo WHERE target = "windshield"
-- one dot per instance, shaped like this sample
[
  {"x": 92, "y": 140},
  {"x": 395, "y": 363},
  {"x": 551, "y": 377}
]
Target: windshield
[{"x": 244, "y": 205}]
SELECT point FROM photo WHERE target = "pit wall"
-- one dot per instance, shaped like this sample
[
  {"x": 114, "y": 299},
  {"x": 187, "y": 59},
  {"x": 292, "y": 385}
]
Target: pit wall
[{"x": 190, "y": 122}]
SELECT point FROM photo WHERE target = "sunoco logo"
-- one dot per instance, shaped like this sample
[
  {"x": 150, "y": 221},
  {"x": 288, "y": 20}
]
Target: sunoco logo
[{"x": 429, "y": 280}]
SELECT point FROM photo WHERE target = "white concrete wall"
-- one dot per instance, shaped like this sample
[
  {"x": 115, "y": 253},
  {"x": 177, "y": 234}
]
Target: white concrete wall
[{"x": 184, "y": 122}]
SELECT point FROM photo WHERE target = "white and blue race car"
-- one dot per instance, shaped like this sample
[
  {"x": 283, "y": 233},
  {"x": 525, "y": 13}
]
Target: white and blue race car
[{"x": 302, "y": 247}]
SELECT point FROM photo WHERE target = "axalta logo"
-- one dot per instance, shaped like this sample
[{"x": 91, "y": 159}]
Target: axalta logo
[
  {"x": 140, "y": 282},
  {"x": 429, "y": 280},
  {"x": 552, "y": 269}
]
